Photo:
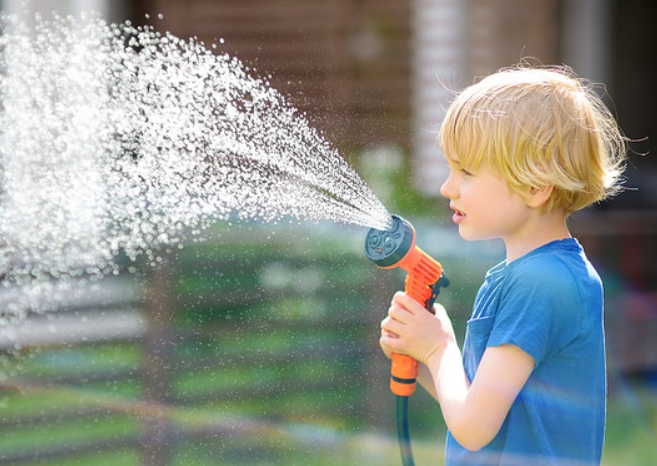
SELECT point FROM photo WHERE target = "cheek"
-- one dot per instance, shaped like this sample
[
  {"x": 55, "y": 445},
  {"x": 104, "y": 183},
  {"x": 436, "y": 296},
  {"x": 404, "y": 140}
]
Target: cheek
[
  {"x": 484, "y": 204},
  {"x": 473, "y": 194}
]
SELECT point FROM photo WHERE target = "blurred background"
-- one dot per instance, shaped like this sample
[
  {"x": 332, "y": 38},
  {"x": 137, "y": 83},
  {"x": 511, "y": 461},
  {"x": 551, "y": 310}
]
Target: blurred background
[{"x": 259, "y": 344}]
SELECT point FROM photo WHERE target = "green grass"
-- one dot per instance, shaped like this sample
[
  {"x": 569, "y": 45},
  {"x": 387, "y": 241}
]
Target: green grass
[
  {"x": 308, "y": 441},
  {"x": 306, "y": 426},
  {"x": 631, "y": 438},
  {"x": 117, "y": 457},
  {"x": 67, "y": 432}
]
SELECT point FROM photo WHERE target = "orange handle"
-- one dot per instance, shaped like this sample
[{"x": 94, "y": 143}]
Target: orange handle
[
  {"x": 403, "y": 374},
  {"x": 423, "y": 272}
]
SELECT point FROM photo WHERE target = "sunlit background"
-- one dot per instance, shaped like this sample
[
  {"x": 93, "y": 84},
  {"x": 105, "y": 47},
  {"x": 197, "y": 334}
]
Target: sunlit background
[{"x": 257, "y": 344}]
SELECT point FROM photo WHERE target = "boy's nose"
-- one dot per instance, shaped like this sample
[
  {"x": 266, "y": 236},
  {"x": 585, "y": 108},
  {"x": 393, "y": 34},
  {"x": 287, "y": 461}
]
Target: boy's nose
[{"x": 447, "y": 189}]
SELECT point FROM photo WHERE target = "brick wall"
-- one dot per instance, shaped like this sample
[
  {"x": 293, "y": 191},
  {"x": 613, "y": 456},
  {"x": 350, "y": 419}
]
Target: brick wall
[{"x": 343, "y": 62}]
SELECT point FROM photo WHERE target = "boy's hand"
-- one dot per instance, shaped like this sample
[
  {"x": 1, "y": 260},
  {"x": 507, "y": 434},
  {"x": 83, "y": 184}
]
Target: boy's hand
[{"x": 411, "y": 329}]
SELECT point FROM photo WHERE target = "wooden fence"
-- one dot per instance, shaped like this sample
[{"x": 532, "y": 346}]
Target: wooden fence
[{"x": 228, "y": 348}]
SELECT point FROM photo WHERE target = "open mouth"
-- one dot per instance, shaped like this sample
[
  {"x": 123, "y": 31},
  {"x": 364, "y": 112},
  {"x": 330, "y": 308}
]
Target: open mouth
[{"x": 458, "y": 215}]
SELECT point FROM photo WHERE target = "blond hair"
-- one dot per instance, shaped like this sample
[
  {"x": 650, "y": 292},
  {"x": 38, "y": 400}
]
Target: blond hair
[{"x": 538, "y": 128}]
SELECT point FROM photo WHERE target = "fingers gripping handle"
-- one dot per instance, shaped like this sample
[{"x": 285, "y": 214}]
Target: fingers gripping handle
[{"x": 420, "y": 280}]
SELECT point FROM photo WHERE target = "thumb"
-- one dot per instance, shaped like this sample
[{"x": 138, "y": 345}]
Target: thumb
[{"x": 439, "y": 310}]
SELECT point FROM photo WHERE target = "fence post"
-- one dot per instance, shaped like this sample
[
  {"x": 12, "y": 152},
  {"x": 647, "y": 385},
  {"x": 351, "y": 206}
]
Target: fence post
[
  {"x": 159, "y": 343},
  {"x": 379, "y": 399}
]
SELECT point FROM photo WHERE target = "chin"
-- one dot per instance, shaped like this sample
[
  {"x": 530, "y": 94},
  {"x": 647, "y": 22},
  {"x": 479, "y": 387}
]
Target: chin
[{"x": 472, "y": 236}]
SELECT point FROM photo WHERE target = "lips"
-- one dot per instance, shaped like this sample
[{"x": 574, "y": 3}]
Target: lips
[{"x": 458, "y": 215}]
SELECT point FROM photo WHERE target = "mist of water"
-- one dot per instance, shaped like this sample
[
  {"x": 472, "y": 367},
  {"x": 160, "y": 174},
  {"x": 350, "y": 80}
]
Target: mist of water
[{"x": 116, "y": 138}]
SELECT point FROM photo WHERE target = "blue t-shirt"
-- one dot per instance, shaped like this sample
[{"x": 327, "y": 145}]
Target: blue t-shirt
[{"x": 550, "y": 304}]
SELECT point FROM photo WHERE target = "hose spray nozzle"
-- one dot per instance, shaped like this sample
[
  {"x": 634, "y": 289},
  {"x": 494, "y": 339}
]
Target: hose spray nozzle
[{"x": 396, "y": 247}]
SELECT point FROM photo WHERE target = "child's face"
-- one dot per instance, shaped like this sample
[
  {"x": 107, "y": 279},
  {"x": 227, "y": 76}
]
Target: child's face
[{"x": 484, "y": 206}]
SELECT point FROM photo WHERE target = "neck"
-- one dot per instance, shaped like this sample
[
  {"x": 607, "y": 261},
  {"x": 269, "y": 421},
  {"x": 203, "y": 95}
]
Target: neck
[{"x": 543, "y": 229}]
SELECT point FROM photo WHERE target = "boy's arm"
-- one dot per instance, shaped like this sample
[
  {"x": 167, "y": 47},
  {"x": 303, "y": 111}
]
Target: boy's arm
[
  {"x": 425, "y": 379},
  {"x": 474, "y": 412}
]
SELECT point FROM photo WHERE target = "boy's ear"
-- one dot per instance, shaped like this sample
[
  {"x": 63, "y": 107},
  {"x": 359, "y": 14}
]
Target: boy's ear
[{"x": 539, "y": 196}]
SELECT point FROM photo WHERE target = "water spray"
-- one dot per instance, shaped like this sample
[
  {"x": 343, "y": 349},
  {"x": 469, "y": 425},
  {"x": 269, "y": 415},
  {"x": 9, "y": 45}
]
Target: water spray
[
  {"x": 396, "y": 247},
  {"x": 120, "y": 141}
]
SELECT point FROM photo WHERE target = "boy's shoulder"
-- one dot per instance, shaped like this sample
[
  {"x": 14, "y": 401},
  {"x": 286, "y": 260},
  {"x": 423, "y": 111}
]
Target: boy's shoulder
[
  {"x": 561, "y": 267},
  {"x": 561, "y": 258}
]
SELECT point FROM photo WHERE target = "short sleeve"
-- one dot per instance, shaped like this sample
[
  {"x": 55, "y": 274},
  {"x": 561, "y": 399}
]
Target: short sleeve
[{"x": 540, "y": 311}]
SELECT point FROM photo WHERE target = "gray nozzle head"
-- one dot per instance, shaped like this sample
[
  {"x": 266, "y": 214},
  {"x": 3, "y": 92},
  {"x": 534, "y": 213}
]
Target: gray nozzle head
[{"x": 387, "y": 247}]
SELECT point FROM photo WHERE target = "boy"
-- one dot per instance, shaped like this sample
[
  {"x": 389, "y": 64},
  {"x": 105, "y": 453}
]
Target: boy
[{"x": 526, "y": 148}]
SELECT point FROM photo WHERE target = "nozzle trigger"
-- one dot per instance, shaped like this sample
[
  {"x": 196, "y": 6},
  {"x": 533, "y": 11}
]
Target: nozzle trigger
[{"x": 442, "y": 282}]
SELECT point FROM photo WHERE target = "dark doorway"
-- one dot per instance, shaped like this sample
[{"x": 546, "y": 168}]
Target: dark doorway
[{"x": 633, "y": 67}]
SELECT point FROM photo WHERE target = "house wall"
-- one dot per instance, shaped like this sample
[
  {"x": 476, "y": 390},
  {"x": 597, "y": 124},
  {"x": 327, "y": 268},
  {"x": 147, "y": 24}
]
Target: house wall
[{"x": 344, "y": 63}]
